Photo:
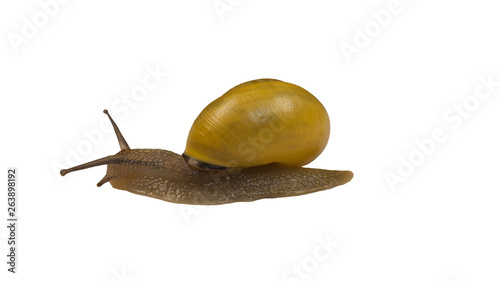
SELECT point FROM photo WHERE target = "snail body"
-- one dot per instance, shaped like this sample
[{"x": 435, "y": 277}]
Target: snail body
[{"x": 246, "y": 145}]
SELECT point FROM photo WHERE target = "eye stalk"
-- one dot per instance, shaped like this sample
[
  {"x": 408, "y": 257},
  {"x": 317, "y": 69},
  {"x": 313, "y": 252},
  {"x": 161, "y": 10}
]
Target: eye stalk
[{"x": 121, "y": 140}]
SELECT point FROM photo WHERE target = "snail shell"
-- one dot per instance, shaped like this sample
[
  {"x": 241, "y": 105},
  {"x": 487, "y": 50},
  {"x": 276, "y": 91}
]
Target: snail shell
[{"x": 257, "y": 123}]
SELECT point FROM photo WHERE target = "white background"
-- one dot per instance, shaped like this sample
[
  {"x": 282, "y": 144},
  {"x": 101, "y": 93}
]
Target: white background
[{"x": 441, "y": 223}]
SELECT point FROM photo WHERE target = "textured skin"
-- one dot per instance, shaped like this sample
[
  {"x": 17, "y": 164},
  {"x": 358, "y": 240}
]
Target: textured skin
[{"x": 164, "y": 175}]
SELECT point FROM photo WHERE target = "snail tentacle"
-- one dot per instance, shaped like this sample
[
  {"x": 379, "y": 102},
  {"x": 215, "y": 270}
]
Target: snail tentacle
[
  {"x": 98, "y": 162},
  {"x": 121, "y": 140}
]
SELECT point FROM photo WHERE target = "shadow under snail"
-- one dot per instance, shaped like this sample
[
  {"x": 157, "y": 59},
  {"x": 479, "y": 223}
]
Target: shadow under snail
[{"x": 248, "y": 144}]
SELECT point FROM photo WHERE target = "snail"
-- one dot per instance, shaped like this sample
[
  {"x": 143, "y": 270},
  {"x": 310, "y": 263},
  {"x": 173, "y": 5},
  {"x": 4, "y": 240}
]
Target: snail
[{"x": 248, "y": 144}]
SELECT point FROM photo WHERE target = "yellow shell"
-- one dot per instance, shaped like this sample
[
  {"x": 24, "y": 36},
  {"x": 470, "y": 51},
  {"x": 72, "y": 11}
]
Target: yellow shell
[{"x": 260, "y": 122}]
